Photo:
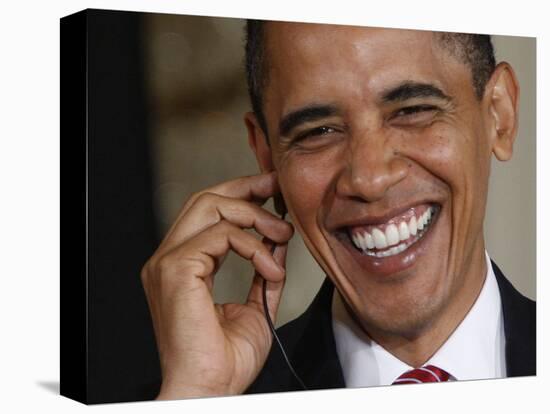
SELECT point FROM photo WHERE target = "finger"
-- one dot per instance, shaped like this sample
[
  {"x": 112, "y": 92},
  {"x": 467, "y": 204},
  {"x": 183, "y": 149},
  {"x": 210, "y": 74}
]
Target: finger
[
  {"x": 199, "y": 258},
  {"x": 274, "y": 289},
  {"x": 255, "y": 188},
  {"x": 212, "y": 208},
  {"x": 252, "y": 188}
]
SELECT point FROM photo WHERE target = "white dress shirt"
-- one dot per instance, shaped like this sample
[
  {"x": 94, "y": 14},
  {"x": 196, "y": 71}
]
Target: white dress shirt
[{"x": 475, "y": 350}]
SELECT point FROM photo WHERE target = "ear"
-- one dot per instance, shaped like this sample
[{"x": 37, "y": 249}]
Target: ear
[
  {"x": 258, "y": 143},
  {"x": 502, "y": 95}
]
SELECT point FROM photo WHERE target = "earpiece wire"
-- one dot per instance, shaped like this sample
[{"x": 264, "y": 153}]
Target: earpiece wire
[{"x": 272, "y": 327}]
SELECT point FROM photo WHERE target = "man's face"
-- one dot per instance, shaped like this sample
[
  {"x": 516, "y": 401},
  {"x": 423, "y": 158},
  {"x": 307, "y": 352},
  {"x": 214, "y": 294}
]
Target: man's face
[{"x": 374, "y": 131}]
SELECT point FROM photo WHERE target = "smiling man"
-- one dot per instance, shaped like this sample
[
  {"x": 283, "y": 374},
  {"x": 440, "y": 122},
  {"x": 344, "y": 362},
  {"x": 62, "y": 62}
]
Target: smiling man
[{"x": 379, "y": 141}]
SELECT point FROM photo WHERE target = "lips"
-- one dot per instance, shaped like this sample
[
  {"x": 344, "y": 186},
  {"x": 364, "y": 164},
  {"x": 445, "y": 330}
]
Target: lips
[
  {"x": 377, "y": 244},
  {"x": 395, "y": 235}
]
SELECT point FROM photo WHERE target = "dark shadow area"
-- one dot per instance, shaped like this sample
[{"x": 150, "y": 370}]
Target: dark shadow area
[
  {"x": 122, "y": 358},
  {"x": 51, "y": 386}
]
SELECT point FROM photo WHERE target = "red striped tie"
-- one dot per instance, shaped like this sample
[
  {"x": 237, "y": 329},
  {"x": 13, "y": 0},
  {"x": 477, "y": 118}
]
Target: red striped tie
[{"x": 429, "y": 373}]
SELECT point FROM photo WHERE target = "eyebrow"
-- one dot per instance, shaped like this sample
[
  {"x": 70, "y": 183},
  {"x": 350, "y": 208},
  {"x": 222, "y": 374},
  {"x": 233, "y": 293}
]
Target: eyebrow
[
  {"x": 305, "y": 114},
  {"x": 410, "y": 90}
]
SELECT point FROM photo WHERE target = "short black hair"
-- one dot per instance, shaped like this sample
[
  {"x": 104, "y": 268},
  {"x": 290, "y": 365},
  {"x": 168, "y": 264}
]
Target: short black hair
[
  {"x": 475, "y": 50},
  {"x": 256, "y": 67}
]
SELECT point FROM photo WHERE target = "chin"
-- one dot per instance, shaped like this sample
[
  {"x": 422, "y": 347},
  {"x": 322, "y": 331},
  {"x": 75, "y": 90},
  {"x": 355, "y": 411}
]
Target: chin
[{"x": 406, "y": 318}]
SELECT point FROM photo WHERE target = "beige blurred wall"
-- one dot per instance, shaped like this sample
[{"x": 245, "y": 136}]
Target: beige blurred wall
[
  {"x": 198, "y": 97},
  {"x": 510, "y": 223}
]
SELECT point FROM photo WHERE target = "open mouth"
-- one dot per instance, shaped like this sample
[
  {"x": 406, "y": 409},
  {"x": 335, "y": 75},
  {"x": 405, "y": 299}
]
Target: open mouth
[{"x": 397, "y": 234}]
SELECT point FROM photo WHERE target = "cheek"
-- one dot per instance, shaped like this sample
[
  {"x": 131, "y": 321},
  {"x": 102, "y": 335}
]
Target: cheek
[
  {"x": 306, "y": 181},
  {"x": 449, "y": 155},
  {"x": 463, "y": 163},
  {"x": 443, "y": 156},
  {"x": 460, "y": 161},
  {"x": 303, "y": 185}
]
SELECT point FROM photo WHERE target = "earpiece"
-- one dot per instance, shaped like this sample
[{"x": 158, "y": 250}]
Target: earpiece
[{"x": 279, "y": 204}]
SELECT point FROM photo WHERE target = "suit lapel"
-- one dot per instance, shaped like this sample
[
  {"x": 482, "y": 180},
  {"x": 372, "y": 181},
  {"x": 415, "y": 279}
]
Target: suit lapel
[
  {"x": 315, "y": 356},
  {"x": 519, "y": 315}
]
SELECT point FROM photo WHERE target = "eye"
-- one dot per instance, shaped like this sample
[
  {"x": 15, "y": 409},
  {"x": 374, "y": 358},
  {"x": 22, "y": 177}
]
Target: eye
[
  {"x": 410, "y": 110},
  {"x": 314, "y": 133},
  {"x": 414, "y": 114}
]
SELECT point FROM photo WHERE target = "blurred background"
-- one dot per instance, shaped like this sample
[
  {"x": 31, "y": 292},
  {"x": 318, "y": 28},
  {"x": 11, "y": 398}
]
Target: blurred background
[{"x": 166, "y": 98}]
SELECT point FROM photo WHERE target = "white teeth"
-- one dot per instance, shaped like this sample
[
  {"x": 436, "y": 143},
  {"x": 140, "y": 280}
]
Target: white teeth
[
  {"x": 358, "y": 240},
  {"x": 391, "y": 251},
  {"x": 389, "y": 241},
  {"x": 401, "y": 247},
  {"x": 355, "y": 237},
  {"x": 364, "y": 241},
  {"x": 379, "y": 239},
  {"x": 404, "y": 231},
  {"x": 425, "y": 218},
  {"x": 394, "y": 250},
  {"x": 413, "y": 226},
  {"x": 392, "y": 235},
  {"x": 370, "y": 241}
]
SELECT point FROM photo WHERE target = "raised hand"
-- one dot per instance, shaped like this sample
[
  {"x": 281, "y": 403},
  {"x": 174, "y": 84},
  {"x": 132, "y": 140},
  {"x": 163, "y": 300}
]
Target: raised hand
[{"x": 207, "y": 348}]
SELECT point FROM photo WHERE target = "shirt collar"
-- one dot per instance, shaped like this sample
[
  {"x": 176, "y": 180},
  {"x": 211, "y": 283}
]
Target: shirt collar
[{"x": 475, "y": 350}]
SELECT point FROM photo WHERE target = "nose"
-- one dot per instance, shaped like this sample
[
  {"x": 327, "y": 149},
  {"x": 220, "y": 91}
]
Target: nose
[{"x": 373, "y": 165}]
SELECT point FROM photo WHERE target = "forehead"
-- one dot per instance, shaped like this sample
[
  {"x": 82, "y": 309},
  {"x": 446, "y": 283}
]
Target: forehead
[{"x": 332, "y": 62}]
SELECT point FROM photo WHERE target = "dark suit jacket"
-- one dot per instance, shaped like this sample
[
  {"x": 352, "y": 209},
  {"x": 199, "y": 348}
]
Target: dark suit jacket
[{"x": 309, "y": 343}]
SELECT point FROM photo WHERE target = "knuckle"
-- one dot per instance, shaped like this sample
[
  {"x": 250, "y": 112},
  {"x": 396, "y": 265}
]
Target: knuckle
[
  {"x": 166, "y": 269},
  {"x": 193, "y": 266},
  {"x": 191, "y": 200},
  {"x": 171, "y": 269},
  {"x": 226, "y": 227},
  {"x": 163, "y": 265},
  {"x": 245, "y": 181},
  {"x": 148, "y": 270},
  {"x": 262, "y": 250},
  {"x": 206, "y": 198}
]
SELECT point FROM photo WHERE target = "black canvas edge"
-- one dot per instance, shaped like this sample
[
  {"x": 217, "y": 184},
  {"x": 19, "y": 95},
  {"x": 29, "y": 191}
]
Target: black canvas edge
[{"x": 73, "y": 206}]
